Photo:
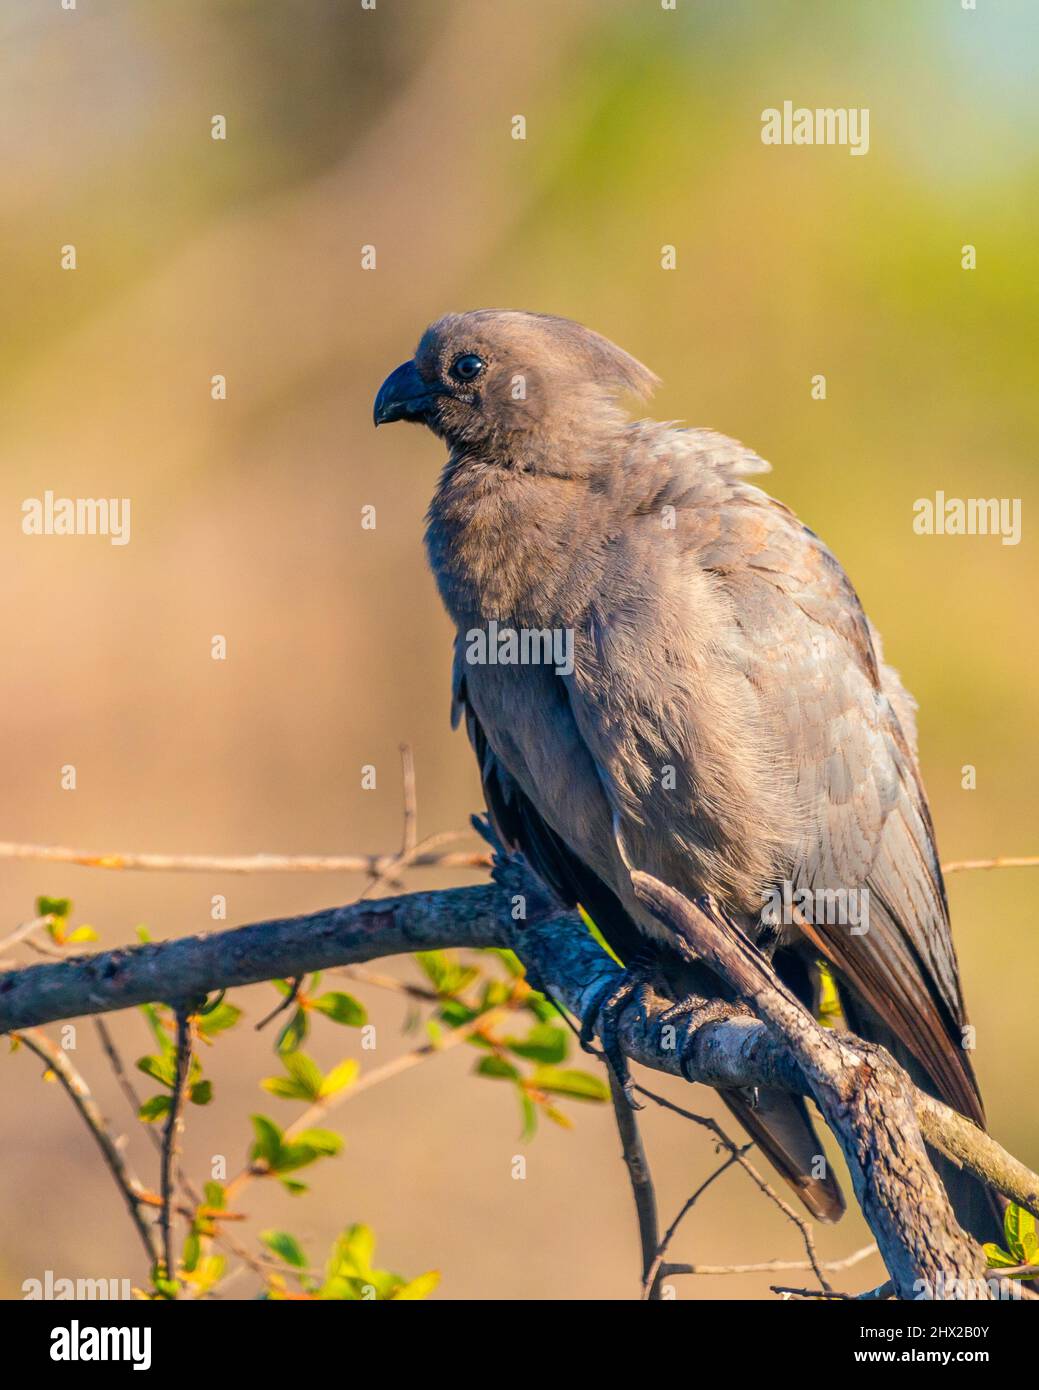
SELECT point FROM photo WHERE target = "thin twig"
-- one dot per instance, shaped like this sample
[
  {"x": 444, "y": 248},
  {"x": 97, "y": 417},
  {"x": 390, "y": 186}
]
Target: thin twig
[
  {"x": 762, "y": 1183},
  {"x": 390, "y": 982},
  {"x": 171, "y": 1134},
  {"x": 371, "y": 864},
  {"x": 125, "y": 1084},
  {"x": 411, "y": 848},
  {"x": 295, "y": 985},
  {"x": 654, "y": 1269},
  {"x": 409, "y": 839},
  {"x": 824, "y": 1294},
  {"x": 221, "y": 1236},
  {"x": 57, "y": 1060},
  {"x": 1002, "y": 861},
  {"x": 877, "y": 1295},
  {"x": 26, "y": 929},
  {"x": 774, "y": 1266},
  {"x": 320, "y": 1108},
  {"x": 634, "y": 1154},
  {"x": 395, "y": 1067}
]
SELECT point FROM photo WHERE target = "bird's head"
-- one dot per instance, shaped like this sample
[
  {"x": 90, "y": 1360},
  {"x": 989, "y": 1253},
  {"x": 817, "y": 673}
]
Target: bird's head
[{"x": 505, "y": 379}]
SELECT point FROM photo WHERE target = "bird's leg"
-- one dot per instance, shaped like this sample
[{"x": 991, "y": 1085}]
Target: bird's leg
[{"x": 608, "y": 1003}]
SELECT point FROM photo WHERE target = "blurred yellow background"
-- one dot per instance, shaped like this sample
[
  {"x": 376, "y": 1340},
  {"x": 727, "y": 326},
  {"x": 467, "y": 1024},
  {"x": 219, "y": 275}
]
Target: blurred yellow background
[{"x": 242, "y": 257}]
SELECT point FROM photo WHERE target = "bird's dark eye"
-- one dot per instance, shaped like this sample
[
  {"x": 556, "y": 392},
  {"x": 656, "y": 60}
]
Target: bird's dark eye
[{"x": 467, "y": 367}]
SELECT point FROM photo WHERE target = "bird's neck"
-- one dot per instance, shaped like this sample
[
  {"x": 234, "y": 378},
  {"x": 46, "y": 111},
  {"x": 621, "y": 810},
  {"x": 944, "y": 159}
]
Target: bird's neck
[{"x": 513, "y": 544}]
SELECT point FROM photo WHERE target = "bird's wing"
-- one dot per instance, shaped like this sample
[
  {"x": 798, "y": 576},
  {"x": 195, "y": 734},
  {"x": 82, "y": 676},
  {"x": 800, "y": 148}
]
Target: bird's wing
[
  {"x": 807, "y": 651},
  {"x": 519, "y": 825},
  {"x": 730, "y": 648},
  {"x": 778, "y": 1122}
]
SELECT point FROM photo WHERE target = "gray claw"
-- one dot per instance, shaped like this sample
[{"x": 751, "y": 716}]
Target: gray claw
[
  {"x": 694, "y": 1012},
  {"x": 609, "y": 1003}
]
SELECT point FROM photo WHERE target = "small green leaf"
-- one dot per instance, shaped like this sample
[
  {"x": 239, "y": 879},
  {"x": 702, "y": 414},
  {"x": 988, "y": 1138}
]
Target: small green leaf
[
  {"x": 435, "y": 964},
  {"x": 161, "y": 1069},
  {"x": 305, "y": 1073},
  {"x": 339, "y": 1288},
  {"x": 445, "y": 974},
  {"x": 192, "y": 1250},
  {"x": 268, "y": 1139},
  {"x": 495, "y": 993},
  {"x": 154, "y": 1020},
  {"x": 341, "y": 1008},
  {"x": 215, "y": 1195},
  {"x": 299, "y": 1155},
  {"x": 544, "y": 1043},
  {"x": 454, "y": 1013},
  {"x": 286, "y": 1247},
  {"x": 384, "y": 1283},
  {"x": 497, "y": 1068},
  {"x": 343, "y": 1074},
  {"x": 530, "y": 1115},
  {"x": 509, "y": 959},
  {"x": 209, "y": 1271},
  {"x": 165, "y": 1288},
  {"x": 543, "y": 1009},
  {"x": 218, "y": 1018},
  {"x": 53, "y": 907},
  {"x": 1020, "y": 1231},
  {"x": 293, "y": 1034},
  {"x": 154, "y": 1108},
  {"x": 293, "y": 1157},
  {"x": 421, "y": 1287},
  {"x": 354, "y": 1251},
  {"x": 581, "y": 1085},
  {"x": 322, "y": 1141},
  {"x": 201, "y": 1093},
  {"x": 999, "y": 1259},
  {"x": 284, "y": 1088},
  {"x": 597, "y": 935},
  {"x": 81, "y": 934}
]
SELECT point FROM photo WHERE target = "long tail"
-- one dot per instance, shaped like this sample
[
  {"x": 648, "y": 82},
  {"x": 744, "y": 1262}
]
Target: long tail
[
  {"x": 782, "y": 1128},
  {"x": 778, "y": 1122}
]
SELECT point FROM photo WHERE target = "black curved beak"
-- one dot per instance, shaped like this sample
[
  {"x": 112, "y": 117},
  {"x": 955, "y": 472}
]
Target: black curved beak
[{"x": 404, "y": 396}]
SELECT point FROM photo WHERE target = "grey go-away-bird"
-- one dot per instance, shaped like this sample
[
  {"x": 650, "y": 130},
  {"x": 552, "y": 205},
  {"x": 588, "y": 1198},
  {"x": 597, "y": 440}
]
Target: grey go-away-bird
[{"x": 660, "y": 667}]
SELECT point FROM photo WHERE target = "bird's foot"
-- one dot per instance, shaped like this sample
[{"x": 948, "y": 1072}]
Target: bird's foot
[
  {"x": 687, "y": 1017},
  {"x": 603, "y": 1016}
]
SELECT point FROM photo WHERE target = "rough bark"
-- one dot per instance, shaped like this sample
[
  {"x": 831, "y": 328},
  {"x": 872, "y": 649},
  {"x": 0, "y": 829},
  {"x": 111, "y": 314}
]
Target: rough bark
[{"x": 879, "y": 1118}]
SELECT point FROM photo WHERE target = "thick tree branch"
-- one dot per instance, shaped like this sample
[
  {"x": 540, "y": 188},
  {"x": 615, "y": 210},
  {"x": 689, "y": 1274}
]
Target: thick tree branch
[
  {"x": 278, "y": 949},
  {"x": 558, "y": 952}
]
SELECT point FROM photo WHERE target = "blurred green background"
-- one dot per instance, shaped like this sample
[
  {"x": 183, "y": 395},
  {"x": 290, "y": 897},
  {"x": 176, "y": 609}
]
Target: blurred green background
[{"x": 243, "y": 257}]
